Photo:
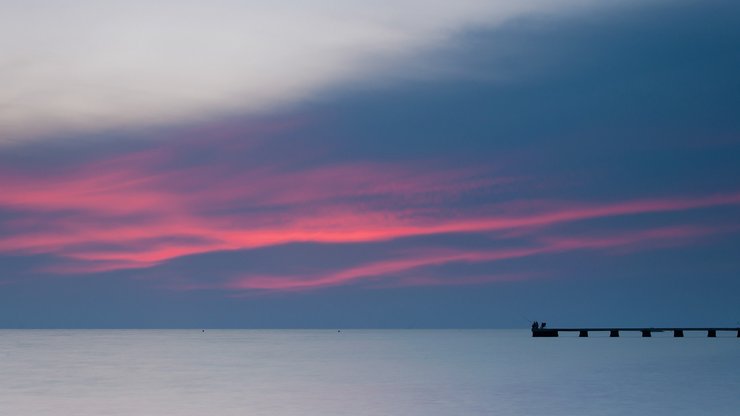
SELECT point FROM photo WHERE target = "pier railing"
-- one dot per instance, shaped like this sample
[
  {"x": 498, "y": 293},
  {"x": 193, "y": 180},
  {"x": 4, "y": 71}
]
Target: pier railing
[{"x": 646, "y": 332}]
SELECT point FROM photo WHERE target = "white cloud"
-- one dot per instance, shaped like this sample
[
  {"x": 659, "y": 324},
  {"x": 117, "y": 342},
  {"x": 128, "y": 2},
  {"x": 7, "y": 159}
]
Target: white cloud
[{"x": 68, "y": 66}]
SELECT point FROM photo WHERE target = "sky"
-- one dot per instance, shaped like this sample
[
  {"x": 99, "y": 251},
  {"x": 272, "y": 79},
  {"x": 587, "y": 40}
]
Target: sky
[{"x": 335, "y": 164}]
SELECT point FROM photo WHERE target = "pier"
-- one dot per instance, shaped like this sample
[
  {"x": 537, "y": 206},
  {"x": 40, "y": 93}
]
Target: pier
[{"x": 646, "y": 332}]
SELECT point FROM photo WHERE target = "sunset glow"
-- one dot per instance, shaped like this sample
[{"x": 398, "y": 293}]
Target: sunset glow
[{"x": 262, "y": 161}]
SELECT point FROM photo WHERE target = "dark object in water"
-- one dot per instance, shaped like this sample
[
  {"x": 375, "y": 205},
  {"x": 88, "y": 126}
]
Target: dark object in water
[
  {"x": 545, "y": 332},
  {"x": 541, "y": 331}
]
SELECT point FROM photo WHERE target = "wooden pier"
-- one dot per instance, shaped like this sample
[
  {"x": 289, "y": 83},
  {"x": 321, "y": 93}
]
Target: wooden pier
[{"x": 646, "y": 332}]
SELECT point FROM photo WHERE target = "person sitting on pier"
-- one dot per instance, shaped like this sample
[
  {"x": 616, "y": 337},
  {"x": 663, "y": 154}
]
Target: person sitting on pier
[
  {"x": 535, "y": 325},
  {"x": 542, "y": 326}
]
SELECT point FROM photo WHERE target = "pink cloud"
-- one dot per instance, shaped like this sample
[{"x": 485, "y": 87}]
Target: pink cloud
[
  {"x": 145, "y": 208},
  {"x": 393, "y": 270},
  {"x": 656, "y": 237},
  {"x": 387, "y": 267}
]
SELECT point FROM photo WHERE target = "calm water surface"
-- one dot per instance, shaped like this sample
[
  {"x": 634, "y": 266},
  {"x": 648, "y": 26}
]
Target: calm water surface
[{"x": 363, "y": 372}]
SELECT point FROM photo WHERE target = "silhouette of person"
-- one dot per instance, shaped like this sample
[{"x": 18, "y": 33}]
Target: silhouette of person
[
  {"x": 543, "y": 325},
  {"x": 535, "y": 325}
]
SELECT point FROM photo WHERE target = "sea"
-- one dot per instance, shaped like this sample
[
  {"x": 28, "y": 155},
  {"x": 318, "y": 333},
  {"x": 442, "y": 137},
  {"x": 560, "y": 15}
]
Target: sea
[{"x": 364, "y": 372}]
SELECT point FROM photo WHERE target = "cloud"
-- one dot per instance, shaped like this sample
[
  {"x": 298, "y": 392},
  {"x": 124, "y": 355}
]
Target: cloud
[
  {"x": 71, "y": 66},
  {"x": 411, "y": 268},
  {"x": 406, "y": 165},
  {"x": 150, "y": 207}
]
